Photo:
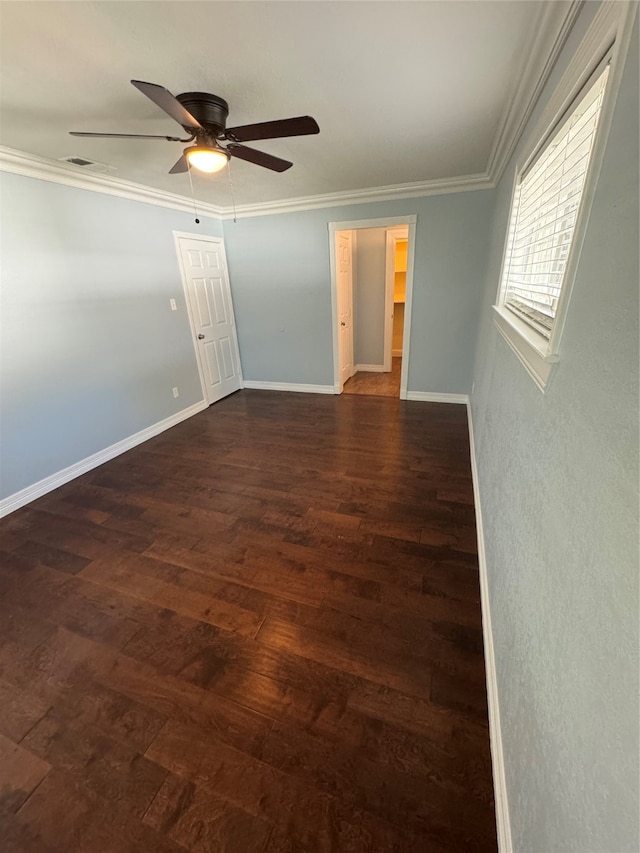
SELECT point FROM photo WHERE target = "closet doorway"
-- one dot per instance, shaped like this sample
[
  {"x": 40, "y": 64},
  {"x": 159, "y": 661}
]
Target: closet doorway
[{"x": 372, "y": 285}]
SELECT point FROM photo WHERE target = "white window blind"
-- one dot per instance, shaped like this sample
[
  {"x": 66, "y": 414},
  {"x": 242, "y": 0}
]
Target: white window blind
[{"x": 545, "y": 210}]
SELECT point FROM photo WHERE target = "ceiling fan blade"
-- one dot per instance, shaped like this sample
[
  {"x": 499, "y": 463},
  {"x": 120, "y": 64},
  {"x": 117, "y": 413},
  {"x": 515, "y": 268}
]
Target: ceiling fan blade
[
  {"x": 299, "y": 126},
  {"x": 260, "y": 158},
  {"x": 180, "y": 165},
  {"x": 126, "y": 136},
  {"x": 166, "y": 101}
]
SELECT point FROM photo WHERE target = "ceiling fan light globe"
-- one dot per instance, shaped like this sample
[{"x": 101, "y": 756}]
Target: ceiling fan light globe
[{"x": 207, "y": 160}]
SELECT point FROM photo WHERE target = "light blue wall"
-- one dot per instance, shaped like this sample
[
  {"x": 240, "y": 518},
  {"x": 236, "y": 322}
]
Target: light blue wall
[
  {"x": 90, "y": 347},
  {"x": 279, "y": 270},
  {"x": 558, "y": 475},
  {"x": 369, "y": 280},
  {"x": 91, "y": 351}
]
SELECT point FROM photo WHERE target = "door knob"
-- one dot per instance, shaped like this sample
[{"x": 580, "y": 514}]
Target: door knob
[
  {"x": 200, "y": 337},
  {"x": 342, "y": 324}
]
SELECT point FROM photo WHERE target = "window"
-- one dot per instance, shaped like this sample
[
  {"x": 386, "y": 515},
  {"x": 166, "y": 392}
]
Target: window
[{"x": 544, "y": 213}]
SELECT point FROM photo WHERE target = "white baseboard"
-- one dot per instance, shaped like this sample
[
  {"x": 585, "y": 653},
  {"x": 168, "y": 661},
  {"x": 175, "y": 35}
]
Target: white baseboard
[
  {"x": 30, "y": 493},
  {"x": 369, "y": 368},
  {"x": 503, "y": 824},
  {"x": 289, "y": 386},
  {"x": 428, "y": 397},
  {"x": 396, "y": 353}
]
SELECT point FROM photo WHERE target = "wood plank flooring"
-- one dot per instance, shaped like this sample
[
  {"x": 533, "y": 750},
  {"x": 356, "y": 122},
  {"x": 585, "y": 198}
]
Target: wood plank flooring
[
  {"x": 258, "y": 632},
  {"x": 376, "y": 384}
]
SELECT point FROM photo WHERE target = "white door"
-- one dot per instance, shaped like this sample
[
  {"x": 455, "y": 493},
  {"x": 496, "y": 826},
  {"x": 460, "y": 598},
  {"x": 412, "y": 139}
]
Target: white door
[
  {"x": 212, "y": 321},
  {"x": 345, "y": 304}
]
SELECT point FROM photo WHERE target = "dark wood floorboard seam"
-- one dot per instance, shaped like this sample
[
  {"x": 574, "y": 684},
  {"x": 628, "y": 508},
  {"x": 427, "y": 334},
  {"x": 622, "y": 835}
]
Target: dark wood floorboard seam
[{"x": 258, "y": 632}]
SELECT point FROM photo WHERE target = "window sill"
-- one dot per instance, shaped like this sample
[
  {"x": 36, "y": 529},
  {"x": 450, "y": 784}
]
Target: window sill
[{"x": 530, "y": 347}]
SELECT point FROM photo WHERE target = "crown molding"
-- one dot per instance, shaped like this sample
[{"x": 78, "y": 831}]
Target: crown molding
[
  {"x": 465, "y": 183},
  {"x": 552, "y": 26},
  {"x": 32, "y": 166}
]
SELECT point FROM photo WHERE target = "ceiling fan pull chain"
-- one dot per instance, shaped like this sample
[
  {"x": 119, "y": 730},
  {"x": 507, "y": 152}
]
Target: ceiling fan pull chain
[
  {"x": 193, "y": 198},
  {"x": 233, "y": 200}
]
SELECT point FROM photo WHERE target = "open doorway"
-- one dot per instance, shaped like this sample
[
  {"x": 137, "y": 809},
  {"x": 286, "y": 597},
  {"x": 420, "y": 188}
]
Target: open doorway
[{"x": 372, "y": 278}]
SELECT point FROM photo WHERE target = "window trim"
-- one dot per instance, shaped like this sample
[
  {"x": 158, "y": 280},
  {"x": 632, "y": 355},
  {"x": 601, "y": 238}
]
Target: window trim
[{"x": 606, "y": 40}]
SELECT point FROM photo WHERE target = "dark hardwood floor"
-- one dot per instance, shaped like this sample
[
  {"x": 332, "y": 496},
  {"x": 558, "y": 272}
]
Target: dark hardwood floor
[{"x": 259, "y": 631}]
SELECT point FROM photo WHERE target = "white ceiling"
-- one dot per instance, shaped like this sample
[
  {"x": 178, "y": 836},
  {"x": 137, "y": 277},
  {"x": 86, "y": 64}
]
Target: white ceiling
[{"x": 402, "y": 91}]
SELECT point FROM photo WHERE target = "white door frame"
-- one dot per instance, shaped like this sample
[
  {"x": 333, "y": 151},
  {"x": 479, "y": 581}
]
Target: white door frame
[
  {"x": 204, "y": 238},
  {"x": 353, "y": 225}
]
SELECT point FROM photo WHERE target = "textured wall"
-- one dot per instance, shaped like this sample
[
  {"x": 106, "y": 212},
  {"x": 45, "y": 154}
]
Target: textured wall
[
  {"x": 368, "y": 295},
  {"x": 279, "y": 269},
  {"x": 90, "y": 348},
  {"x": 558, "y": 478}
]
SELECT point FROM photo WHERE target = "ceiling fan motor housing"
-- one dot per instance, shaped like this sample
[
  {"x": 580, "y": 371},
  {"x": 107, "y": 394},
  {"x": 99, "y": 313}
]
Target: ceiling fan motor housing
[{"x": 210, "y": 110}]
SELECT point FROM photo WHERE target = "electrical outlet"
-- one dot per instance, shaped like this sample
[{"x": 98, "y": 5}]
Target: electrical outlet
[
  {"x": 176, "y": 393},
  {"x": 172, "y": 302}
]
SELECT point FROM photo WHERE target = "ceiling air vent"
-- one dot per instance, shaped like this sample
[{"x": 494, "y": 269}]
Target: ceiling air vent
[
  {"x": 78, "y": 161},
  {"x": 90, "y": 165}
]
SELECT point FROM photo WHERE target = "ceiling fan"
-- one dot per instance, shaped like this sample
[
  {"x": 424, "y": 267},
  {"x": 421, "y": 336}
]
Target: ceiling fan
[{"x": 204, "y": 118}]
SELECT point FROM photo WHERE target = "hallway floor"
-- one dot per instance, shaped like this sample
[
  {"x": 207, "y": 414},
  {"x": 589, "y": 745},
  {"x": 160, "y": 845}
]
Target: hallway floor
[
  {"x": 258, "y": 632},
  {"x": 376, "y": 384}
]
